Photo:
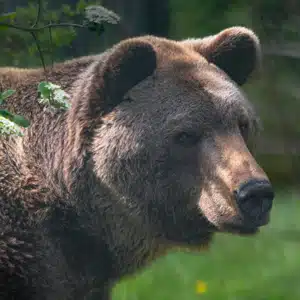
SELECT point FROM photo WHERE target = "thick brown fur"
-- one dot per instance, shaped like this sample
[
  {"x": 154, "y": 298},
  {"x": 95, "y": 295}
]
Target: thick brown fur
[{"x": 95, "y": 193}]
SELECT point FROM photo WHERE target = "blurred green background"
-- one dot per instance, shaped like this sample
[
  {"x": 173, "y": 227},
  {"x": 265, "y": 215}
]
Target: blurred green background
[{"x": 264, "y": 267}]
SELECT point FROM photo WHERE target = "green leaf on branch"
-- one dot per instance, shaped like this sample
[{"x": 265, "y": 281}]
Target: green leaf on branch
[
  {"x": 21, "y": 121},
  {"x": 8, "y": 17},
  {"x": 9, "y": 128},
  {"x": 5, "y": 95},
  {"x": 53, "y": 96},
  {"x": 44, "y": 89},
  {"x": 80, "y": 6},
  {"x": 6, "y": 114},
  {"x": 17, "y": 119},
  {"x": 10, "y": 124}
]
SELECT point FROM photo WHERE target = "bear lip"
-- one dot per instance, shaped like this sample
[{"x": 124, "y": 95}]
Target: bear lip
[{"x": 242, "y": 227}]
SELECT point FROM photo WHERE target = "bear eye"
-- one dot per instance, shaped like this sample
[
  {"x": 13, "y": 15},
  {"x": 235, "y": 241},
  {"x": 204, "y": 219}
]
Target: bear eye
[
  {"x": 244, "y": 127},
  {"x": 187, "y": 139}
]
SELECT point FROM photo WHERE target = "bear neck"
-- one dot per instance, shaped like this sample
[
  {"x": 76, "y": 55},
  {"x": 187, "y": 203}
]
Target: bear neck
[
  {"x": 95, "y": 232},
  {"x": 129, "y": 243},
  {"x": 82, "y": 214}
]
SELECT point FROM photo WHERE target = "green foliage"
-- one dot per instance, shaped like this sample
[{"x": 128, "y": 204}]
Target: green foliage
[
  {"x": 19, "y": 120},
  {"x": 34, "y": 19},
  {"x": 10, "y": 124},
  {"x": 52, "y": 95},
  {"x": 8, "y": 17},
  {"x": 199, "y": 18},
  {"x": 54, "y": 28},
  {"x": 5, "y": 95},
  {"x": 9, "y": 128}
]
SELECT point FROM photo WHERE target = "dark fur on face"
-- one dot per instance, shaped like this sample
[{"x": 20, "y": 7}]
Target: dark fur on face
[{"x": 146, "y": 159}]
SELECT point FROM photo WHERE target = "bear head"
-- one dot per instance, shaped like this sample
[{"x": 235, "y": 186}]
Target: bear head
[{"x": 171, "y": 133}]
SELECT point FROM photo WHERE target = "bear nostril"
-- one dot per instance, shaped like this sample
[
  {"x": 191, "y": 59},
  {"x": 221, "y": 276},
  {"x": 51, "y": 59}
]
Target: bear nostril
[{"x": 255, "y": 199}]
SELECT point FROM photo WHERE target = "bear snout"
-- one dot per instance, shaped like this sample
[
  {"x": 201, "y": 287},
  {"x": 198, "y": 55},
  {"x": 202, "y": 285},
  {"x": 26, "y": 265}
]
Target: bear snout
[
  {"x": 237, "y": 196},
  {"x": 254, "y": 199}
]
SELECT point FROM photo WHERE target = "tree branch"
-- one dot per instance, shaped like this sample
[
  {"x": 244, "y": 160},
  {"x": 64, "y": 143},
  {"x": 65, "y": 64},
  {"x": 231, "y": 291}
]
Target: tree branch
[
  {"x": 51, "y": 45},
  {"x": 39, "y": 49},
  {"x": 38, "y": 14},
  {"x": 35, "y": 29}
]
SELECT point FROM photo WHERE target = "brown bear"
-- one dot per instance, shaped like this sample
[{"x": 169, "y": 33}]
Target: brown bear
[{"x": 154, "y": 153}]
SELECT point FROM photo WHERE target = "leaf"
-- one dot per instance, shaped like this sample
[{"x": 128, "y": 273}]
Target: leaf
[
  {"x": 80, "y": 6},
  {"x": 97, "y": 14},
  {"x": 17, "y": 119},
  {"x": 66, "y": 9},
  {"x": 8, "y": 16},
  {"x": 52, "y": 95},
  {"x": 45, "y": 89},
  {"x": 6, "y": 114},
  {"x": 21, "y": 121},
  {"x": 5, "y": 95},
  {"x": 8, "y": 128}
]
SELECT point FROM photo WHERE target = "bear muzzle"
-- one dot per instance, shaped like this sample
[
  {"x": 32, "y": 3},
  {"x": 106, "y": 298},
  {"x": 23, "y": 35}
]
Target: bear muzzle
[
  {"x": 237, "y": 196},
  {"x": 254, "y": 199}
]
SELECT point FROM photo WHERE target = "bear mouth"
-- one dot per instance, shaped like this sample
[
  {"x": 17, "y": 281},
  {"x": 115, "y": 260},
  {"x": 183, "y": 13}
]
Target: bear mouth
[{"x": 240, "y": 226}]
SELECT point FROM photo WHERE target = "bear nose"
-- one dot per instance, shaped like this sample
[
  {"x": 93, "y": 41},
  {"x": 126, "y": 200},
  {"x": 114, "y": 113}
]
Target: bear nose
[{"x": 254, "y": 199}]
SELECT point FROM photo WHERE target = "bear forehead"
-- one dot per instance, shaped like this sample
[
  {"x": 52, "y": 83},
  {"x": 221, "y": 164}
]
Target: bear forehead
[
  {"x": 183, "y": 72},
  {"x": 171, "y": 54},
  {"x": 190, "y": 70},
  {"x": 171, "y": 101}
]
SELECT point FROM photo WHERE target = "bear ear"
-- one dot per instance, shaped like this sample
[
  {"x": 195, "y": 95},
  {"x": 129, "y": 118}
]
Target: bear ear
[
  {"x": 100, "y": 88},
  {"x": 127, "y": 64},
  {"x": 235, "y": 50}
]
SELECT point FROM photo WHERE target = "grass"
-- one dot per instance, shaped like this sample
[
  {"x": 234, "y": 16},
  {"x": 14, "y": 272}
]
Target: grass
[{"x": 264, "y": 267}]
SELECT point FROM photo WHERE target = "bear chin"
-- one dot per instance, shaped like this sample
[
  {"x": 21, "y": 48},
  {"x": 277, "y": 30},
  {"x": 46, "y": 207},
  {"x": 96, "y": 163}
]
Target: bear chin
[
  {"x": 241, "y": 230},
  {"x": 237, "y": 225}
]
